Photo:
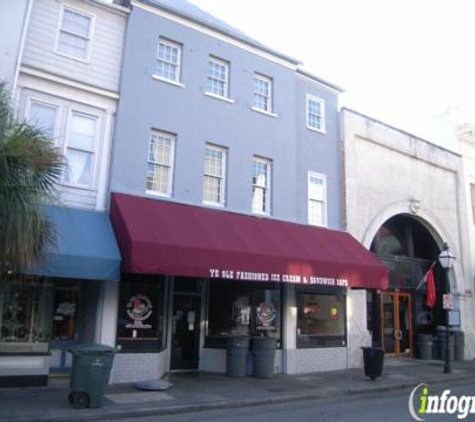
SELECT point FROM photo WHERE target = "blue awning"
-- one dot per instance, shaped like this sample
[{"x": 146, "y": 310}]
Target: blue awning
[{"x": 86, "y": 247}]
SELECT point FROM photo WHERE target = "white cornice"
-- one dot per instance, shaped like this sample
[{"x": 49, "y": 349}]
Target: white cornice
[
  {"x": 215, "y": 34},
  {"x": 73, "y": 84},
  {"x": 320, "y": 84},
  {"x": 111, "y": 7}
]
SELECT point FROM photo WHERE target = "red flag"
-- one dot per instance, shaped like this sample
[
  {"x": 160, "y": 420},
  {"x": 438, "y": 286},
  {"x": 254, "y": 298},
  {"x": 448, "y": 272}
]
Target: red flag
[{"x": 430, "y": 288}]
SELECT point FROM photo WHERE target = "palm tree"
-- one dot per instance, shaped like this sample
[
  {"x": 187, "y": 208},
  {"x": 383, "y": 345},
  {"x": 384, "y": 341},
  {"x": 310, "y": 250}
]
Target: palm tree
[{"x": 30, "y": 167}]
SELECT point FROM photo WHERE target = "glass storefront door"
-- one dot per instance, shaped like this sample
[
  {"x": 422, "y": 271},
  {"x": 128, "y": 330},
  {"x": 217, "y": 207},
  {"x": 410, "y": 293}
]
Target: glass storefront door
[
  {"x": 185, "y": 332},
  {"x": 396, "y": 323},
  {"x": 64, "y": 332},
  {"x": 73, "y": 322}
]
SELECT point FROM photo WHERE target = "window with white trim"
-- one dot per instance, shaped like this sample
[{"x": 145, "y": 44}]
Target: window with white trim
[
  {"x": 263, "y": 93},
  {"x": 74, "y": 38},
  {"x": 43, "y": 116},
  {"x": 261, "y": 174},
  {"x": 315, "y": 113},
  {"x": 160, "y": 163},
  {"x": 317, "y": 199},
  {"x": 218, "y": 77},
  {"x": 80, "y": 149},
  {"x": 214, "y": 181},
  {"x": 168, "y": 60}
]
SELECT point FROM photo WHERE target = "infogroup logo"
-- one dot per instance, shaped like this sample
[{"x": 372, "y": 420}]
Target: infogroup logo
[{"x": 421, "y": 403}]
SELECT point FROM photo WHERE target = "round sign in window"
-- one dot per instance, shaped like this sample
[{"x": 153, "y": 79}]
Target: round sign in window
[
  {"x": 139, "y": 309},
  {"x": 266, "y": 314}
]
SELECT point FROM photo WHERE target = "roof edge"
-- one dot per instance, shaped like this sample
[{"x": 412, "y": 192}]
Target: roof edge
[
  {"x": 256, "y": 45},
  {"x": 320, "y": 80},
  {"x": 405, "y": 132},
  {"x": 116, "y": 6}
]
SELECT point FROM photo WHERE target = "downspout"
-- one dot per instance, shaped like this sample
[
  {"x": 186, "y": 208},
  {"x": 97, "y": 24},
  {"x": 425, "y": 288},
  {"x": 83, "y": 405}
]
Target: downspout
[
  {"x": 26, "y": 21},
  {"x": 344, "y": 215}
]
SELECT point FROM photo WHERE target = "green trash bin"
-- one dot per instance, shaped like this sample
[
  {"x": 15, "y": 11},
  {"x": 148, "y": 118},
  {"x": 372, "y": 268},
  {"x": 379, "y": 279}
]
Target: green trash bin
[{"x": 91, "y": 369}]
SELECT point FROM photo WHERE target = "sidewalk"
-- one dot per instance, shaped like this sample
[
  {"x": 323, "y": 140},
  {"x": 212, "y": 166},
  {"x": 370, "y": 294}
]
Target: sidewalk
[{"x": 211, "y": 391}]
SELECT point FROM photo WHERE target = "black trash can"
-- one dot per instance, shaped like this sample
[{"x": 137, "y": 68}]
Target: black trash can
[
  {"x": 236, "y": 362},
  {"x": 459, "y": 345},
  {"x": 435, "y": 347},
  {"x": 263, "y": 356},
  {"x": 90, "y": 374},
  {"x": 424, "y": 346},
  {"x": 442, "y": 342},
  {"x": 373, "y": 358}
]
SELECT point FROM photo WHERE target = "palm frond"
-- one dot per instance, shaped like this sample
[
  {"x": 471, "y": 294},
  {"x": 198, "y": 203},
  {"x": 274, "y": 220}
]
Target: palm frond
[{"x": 30, "y": 168}]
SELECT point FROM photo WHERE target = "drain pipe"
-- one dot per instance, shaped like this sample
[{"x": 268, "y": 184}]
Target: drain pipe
[{"x": 26, "y": 22}]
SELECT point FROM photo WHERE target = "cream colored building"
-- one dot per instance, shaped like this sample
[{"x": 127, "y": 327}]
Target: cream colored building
[
  {"x": 63, "y": 70},
  {"x": 403, "y": 198}
]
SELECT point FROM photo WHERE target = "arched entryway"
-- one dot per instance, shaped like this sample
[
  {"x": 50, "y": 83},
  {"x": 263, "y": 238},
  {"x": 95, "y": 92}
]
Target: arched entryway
[{"x": 397, "y": 315}]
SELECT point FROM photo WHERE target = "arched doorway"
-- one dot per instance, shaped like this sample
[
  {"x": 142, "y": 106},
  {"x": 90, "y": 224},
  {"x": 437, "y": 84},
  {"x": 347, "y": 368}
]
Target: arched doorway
[{"x": 397, "y": 315}]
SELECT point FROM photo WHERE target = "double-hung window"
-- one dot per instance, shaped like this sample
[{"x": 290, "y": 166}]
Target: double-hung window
[
  {"x": 315, "y": 113},
  {"x": 262, "y": 93},
  {"x": 218, "y": 78},
  {"x": 80, "y": 149},
  {"x": 261, "y": 173},
  {"x": 160, "y": 163},
  {"x": 214, "y": 181},
  {"x": 168, "y": 60},
  {"x": 44, "y": 116},
  {"x": 317, "y": 199},
  {"x": 74, "y": 38}
]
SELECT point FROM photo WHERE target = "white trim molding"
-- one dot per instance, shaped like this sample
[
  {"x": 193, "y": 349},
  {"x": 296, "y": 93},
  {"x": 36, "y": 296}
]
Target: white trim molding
[
  {"x": 172, "y": 137},
  {"x": 64, "y": 81},
  {"x": 323, "y": 200},
  {"x": 89, "y": 38},
  {"x": 321, "y": 102},
  {"x": 266, "y": 187},
  {"x": 215, "y": 34},
  {"x": 222, "y": 177}
]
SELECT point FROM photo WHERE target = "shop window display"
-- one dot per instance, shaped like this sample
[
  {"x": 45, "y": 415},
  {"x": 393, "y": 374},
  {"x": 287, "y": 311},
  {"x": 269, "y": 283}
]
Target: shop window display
[
  {"x": 140, "y": 326},
  {"x": 65, "y": 312},
  {"x": 250, "y": 309},
  {"x": 25, "y": 315},
  {"x": 321, "y": 320}
]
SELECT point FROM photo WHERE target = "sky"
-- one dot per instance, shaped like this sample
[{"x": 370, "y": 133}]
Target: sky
[{"x": 402, "y": 62}]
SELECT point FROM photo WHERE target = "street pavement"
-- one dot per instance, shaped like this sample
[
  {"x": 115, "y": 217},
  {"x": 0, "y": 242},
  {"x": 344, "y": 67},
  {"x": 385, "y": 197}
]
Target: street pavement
[
  {"x": 390, "y": 406},
  {"x": 205, "y": 391}
]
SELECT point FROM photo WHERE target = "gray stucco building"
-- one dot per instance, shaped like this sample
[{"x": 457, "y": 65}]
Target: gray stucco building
[
  {"x": 184, "y": 108},
  {"x": 241, "y": 137}
]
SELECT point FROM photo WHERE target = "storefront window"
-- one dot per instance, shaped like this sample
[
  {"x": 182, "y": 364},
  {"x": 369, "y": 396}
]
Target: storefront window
[
  {"x": 321, "y": 320},
  {"x": 250, "y": 309},
  {"x": 65, "y": 311},
  {"x": 25, "y": 315},
  {"x": 140, "y": 326}
]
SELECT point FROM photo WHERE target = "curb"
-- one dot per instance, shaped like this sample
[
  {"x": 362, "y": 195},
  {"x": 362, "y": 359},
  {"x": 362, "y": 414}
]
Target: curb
[{"x": 227, "y": 404}]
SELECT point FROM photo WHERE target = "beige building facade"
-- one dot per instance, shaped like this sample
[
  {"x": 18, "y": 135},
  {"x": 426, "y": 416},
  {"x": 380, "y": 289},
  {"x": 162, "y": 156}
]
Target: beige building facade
[{"x": 405, "y": 197}]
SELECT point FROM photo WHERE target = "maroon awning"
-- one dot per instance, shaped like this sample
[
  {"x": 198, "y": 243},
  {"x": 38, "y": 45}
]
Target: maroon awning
[{"x": 160, "y": 237}]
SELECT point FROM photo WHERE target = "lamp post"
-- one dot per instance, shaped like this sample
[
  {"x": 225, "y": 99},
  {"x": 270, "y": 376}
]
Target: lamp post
[{"x": 446, "y": 259}]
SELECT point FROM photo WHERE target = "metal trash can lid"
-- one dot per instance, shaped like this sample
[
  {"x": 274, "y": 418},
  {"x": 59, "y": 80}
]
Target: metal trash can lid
[
  {"x": 372, "y": 349},
  {"x": 91, "y": 349}
]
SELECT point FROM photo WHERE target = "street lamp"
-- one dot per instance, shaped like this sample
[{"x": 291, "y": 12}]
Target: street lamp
[{"x": 446, "y": 259}]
